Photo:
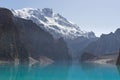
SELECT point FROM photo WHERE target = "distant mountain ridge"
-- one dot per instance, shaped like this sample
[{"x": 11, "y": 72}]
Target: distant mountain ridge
[{"x": 107, "y": 43}]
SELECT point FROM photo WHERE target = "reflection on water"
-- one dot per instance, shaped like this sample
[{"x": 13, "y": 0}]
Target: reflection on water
[
  {"x": 118, "y": 68},
  {"x": 88, "y": 66},
  {"x": 60, "y": 72},
  {"x": 24, "y": 72}
]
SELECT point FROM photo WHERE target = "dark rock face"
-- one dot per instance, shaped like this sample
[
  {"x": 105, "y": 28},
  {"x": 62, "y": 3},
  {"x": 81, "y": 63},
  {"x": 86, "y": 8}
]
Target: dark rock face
[
  {"x": 40, "y": 43},
  {"x": 87, "y": 56},
  {"x": 10, "y": 44},
  {"x": 23, "y": 38},
  {"x": 118, "y": 59},
  {"x": 47, "y": 12}
]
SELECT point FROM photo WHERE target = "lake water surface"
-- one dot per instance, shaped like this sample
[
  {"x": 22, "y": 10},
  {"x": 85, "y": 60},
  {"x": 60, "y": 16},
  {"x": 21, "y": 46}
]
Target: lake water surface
[{"x": 60, "y": 72}]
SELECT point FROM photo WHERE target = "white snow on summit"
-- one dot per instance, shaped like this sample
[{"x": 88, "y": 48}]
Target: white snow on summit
[{"x": 54, "y": 23}]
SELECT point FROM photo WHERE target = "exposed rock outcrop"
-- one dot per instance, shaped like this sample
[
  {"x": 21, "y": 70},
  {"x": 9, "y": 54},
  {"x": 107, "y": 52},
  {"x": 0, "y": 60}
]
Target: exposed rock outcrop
[
  {"x": 118, "y": 59},
  {"x": 10, "y": 44}
]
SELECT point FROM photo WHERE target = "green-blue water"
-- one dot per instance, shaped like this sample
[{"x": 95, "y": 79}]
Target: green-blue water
[{"x": 60, "y": 72}]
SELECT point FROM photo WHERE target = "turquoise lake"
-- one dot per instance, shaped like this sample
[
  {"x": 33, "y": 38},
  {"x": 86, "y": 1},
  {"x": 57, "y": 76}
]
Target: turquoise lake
[{"x": 60, "y": 72}]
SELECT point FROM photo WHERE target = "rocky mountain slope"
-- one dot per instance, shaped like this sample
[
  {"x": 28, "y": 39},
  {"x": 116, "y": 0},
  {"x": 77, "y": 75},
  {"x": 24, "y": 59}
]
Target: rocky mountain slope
[
  {"x": 58, "y": 26},
  {"x": 21, "y": 39},
  {"x": 107, "y": 43}
]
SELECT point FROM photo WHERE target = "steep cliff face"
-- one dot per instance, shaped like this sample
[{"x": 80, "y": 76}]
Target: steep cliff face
[
  {"x": 21, "y": 38},
  {"x": 10, "y": 44},
  {"x": 118, "y": 59}
]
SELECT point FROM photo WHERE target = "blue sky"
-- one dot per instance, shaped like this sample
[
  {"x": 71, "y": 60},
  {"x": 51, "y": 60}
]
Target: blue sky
[{"x": 99, "y": 16}]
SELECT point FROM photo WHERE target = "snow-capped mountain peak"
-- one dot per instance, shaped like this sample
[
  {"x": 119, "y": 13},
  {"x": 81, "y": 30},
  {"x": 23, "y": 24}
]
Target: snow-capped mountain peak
[{"x": 54, "y": 23}]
